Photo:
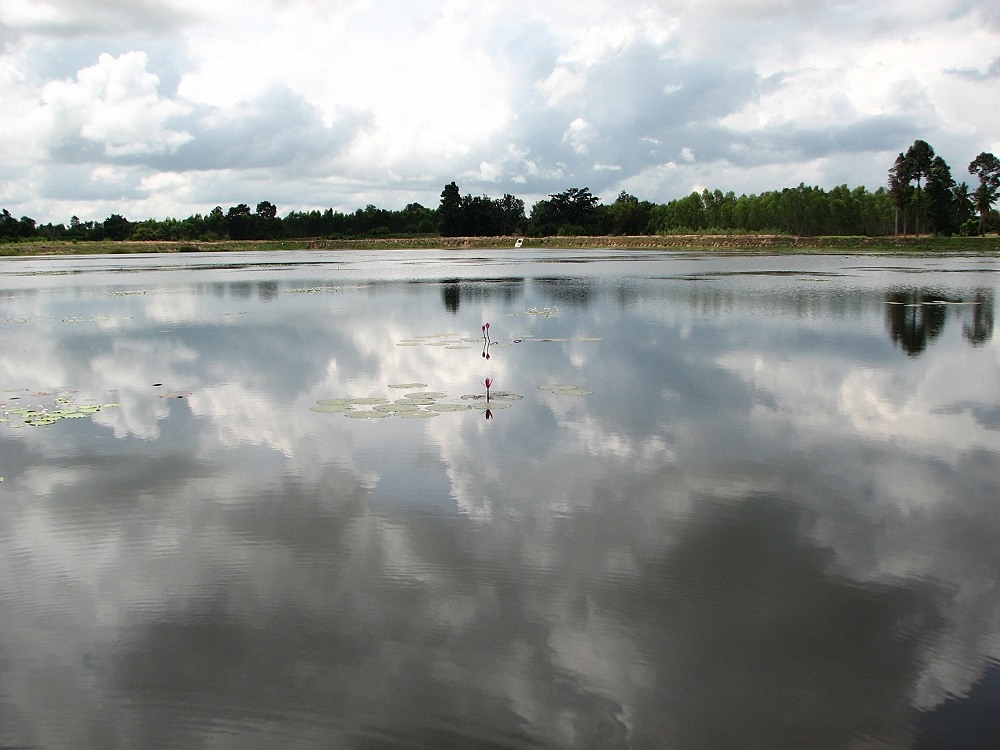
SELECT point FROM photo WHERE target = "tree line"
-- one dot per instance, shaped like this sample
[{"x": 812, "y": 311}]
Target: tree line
[{"x": 920, "y": 196}]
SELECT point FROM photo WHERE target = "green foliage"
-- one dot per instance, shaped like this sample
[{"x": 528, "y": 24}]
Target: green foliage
[
  {"x": 986, "y": 166},
  {"x": 803, "y": 211},
  {"x": 942, "y": 217},
  {"x": 479, "y": 216},
  {"x": 920, "y": 193},
  {"x": 572, "y": 211}
]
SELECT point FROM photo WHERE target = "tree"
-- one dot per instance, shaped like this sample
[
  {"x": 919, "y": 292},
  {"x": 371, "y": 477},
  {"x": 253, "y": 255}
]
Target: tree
[
  {"x": 417, "y": 219},
  {"x": 216, "y": 226},
  {"x": 986, "y": 166},
  {"x": 900, "y": 189},
  {"x": 572, "y": 211},
  {"x": 511, "y": 214},
  {"x": 450, "y": 211},
  {"x": 9, "y": 226},
  {"x": 238, "y": 220},
  {"x": 117, "y": 227},
  {"x": 919, "y": 157},
  {"x": 628, "y": 215},
  {"x": 965, "y": 207},
  {"x": 941, "y": 214},
  {"x": 27, "y": 226},
  {"x": 267, "y": 211}
]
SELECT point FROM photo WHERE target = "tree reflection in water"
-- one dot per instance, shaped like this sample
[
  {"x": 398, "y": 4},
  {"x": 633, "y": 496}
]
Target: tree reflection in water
[{"x": 916, "y": 317}]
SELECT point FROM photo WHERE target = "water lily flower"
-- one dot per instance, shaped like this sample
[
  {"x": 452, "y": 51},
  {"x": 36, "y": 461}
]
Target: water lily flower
[{"x": 488, "y": 382}]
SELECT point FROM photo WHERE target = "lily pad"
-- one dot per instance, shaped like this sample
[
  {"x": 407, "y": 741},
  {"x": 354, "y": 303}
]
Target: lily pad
[
  {"x": 564, "y": 389},
  {"x": 418, "y": 414},
  {"x": 366, "y": 414},
  {"x": 397, "y": 408},
  {"x": 408, "y": 386},
  {"x": 425, "y": 394},
  {"x": 331, "y": 408},
  {"x": 448, "y": 407},
  {"x": 368, "y": 401},
  {"x": 505, "y": 396}
]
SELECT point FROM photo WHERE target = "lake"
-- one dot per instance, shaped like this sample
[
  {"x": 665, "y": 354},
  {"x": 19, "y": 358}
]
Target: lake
[{"x": 710, "y": 501}]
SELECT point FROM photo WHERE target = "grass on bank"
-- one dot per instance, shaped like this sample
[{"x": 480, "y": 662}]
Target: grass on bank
[{"x": 989, "y": 245}]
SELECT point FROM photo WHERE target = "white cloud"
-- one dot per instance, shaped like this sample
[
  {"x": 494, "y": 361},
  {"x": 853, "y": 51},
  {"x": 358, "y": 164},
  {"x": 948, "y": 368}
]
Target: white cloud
[
  {"x": 384, "y": 101},
  {"x": 114, "y": 105}
]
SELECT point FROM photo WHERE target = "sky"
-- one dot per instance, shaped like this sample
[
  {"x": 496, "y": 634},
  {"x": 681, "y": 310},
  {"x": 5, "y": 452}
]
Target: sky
[{"x": 167, "y": 108}]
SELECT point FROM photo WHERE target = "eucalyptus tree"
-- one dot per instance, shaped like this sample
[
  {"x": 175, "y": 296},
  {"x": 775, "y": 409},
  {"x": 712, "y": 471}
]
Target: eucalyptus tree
[
  {"x": 900, "y": 188},
  {"x": 941, "y": 214},
  {"x": 986, "y": 167},
  {"x": 919, "y": 157}
]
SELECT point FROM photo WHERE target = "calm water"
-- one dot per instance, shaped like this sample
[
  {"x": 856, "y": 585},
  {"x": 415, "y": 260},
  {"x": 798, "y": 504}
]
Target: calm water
[{"x": 762, "y": 510}]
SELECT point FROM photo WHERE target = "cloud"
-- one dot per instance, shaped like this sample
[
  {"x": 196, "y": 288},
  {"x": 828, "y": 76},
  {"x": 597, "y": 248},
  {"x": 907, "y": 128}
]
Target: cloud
[
  {"x": 69, "y": 19},
  {"x": 279, "y": 130},
  {"x": 111, "y": 111},
  {"x": 385, "y": 102},
  {"x": 974, "y": 74}
]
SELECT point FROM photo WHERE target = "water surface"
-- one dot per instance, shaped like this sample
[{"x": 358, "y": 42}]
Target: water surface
[{"x": 763, "y": 512}]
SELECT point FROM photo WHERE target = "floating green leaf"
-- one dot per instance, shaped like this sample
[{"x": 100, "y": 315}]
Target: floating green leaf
[
  {"x": 417, "y": 414},
  {"x": 366, "y": 414},
  {"x": 397, "y": 408},
  {"x": 331, "y": 408},
  {"x": 564, "y": 389},
  {"x": 425, "y": 395},
  {"x": 448, "y": 407},
  {"x": 42, "y": 417},
  {"x": 505, "y": 396},
  {"x": 408, "y": 386}
]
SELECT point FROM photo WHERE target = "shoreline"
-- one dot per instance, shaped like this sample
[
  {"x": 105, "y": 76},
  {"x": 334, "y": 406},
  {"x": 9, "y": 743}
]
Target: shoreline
[{"x": 742, "y": 243}]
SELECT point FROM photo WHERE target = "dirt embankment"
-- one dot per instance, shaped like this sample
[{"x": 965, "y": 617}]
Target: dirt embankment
[{"x": 765, "y": 243}]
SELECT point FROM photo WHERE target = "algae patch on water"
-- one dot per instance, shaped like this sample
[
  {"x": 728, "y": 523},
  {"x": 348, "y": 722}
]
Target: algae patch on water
[
  {"x": 63, "y": 407},
  {"x": 414, "y": 405}
]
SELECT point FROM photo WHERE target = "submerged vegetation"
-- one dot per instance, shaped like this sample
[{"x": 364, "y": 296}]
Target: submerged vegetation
[{"x": 921, "y": 197}]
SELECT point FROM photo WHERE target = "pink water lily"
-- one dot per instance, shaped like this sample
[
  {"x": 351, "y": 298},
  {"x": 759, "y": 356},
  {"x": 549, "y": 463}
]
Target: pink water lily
[{"x": 488, "y": 382}]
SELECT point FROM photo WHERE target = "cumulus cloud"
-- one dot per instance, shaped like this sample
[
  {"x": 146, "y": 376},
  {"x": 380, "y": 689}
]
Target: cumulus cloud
[
  {"x": 112, "y": 110},
  {"x": 385, "y": 102}
]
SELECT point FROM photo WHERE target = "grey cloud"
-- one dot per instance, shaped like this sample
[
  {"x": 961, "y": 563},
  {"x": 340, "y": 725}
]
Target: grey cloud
[
  {"x": 72, "y": 19},
  {"x": 280, "y": 130},
  {"x": 644, "y": 107},
  {"x": 992, "y": 71},
  {"x": 791, "y": 143},
  {"x": 75, "y": 182}
]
